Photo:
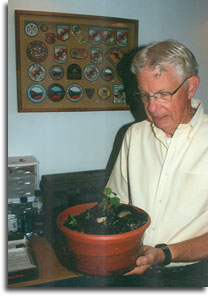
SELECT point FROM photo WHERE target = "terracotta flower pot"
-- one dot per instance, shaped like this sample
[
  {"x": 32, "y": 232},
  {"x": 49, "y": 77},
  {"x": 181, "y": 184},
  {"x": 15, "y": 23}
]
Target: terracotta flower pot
[{"x": 101, "y": 254}]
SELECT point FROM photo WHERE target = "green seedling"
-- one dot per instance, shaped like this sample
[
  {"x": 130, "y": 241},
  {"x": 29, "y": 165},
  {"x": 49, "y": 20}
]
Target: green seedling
[
  {"x": 88, "y": 215},
  {"x": 110, "y": 200},
  {"x": 73, "y": 221}
]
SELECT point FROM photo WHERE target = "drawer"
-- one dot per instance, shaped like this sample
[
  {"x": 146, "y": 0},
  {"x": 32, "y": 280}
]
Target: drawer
[
  {"x": 21, "y": 171},
  {"x": 17, "y": 181},
  {"x": 17, "y": 191}
]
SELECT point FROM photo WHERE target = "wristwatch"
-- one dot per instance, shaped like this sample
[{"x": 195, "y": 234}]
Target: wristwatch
[{"x": 167, "y": 253}]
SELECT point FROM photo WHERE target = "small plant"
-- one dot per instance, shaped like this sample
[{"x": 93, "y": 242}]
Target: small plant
[
  {"x": 108, "y": 204},
  {"x": 73, "y": 221},
  {"x": 110, "y": 200},
  {"x": 88, "y": 215}
]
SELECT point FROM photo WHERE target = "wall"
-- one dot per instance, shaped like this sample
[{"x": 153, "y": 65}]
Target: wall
[{"x": 73, "y": 141}]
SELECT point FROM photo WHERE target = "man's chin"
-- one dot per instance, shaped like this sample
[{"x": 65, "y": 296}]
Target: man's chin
[{"x": 164, "y": 128}]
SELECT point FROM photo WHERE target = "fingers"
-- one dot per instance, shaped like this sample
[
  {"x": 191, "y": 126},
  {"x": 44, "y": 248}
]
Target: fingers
[
  {"x": 142, "y": 261},
  {"x": 137, "y": 270},
  {"x": 142, "y": 264}
]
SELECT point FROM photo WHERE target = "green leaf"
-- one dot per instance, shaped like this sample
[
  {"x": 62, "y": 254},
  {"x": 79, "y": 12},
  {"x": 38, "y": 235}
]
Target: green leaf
[
  {"x": 73, "y": 221},
  {"x": 107, "y": 191},
  {"x": 115, "y": 201},
  {"x": 88, "y": 215},
  {"x": 105, "y": 200}
]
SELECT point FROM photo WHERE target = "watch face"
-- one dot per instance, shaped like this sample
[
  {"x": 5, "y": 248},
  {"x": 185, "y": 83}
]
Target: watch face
[
  {"x": 36, "y": 72},
  {"x": 36, "y": 93},
  {"x": 74, "y": 92},
  {"x": 37, "y": 51},
  {"x": 31, "y": 29}
]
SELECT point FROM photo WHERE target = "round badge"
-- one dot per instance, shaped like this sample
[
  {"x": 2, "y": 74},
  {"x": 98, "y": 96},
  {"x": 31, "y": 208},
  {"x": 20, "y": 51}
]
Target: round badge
[
  {"x": 107, "y": 73},
  {"x": 36, "y": 93},
  {"x": 31, "y": 29},
  {"x": 44, "y": 27},
  {"x": 74, "y": 92},
  {"x": 104, "y": 92},
  {"x": 91, "y": 72},
  {"x": 76, "y": 30},
  {"x": 36, "y": 72},
  {"x": 37, "y": 51},
  {"x": 56, "y": 92},
  {"x": 56, "y": 72}
]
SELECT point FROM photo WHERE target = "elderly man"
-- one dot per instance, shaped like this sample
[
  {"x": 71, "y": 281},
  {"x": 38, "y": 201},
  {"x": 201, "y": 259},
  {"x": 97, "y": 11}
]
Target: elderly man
[{"x": 162, "y": 166}]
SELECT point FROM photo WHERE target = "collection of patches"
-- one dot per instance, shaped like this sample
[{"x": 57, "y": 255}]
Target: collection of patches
[{"x": 102, "y": 48}]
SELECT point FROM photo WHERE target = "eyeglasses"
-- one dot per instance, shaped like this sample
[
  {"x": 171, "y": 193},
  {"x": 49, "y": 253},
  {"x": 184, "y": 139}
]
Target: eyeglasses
[{"x": 161, "y": 97}]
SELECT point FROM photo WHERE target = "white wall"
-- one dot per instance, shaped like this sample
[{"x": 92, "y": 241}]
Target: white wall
[{"x": 73, "y": 141}]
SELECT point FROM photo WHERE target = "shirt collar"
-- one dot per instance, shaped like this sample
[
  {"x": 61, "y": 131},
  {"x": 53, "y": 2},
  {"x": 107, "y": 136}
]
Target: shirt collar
[{"x": 195, "y": 120}]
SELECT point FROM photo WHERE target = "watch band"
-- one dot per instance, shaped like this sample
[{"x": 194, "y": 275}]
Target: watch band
[{"x": 167, "y": 253}]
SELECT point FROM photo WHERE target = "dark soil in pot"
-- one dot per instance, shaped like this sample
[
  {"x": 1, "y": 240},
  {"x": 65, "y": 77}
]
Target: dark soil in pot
[{"x": 107, "y": 221}]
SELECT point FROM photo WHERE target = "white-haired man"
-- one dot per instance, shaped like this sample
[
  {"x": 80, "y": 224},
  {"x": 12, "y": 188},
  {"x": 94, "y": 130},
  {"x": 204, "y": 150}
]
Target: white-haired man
[{"x": 162, "y": 166}]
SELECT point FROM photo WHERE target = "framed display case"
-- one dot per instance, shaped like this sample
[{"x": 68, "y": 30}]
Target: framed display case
[{"x": 68, "y": 62}]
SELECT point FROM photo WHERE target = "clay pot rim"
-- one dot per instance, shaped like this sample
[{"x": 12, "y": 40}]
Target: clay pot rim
[{"x": 62, "y": 217}]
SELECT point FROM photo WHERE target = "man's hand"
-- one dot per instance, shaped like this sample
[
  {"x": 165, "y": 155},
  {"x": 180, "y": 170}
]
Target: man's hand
[
  {"x": 149, "y": 256},
  {"x": 190, "y": 250}
]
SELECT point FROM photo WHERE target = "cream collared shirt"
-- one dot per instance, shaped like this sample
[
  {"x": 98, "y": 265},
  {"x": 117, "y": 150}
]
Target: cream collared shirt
[{"x": 170, "y": 181}]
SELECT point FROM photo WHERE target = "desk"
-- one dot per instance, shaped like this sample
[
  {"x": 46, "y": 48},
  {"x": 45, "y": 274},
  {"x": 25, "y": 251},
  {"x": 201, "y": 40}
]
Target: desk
[
  {"x": 53, "y": 274},
  {"x": 50, "y": 269}
]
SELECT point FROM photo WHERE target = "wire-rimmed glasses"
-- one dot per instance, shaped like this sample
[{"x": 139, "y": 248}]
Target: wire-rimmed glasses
[{"x": 161, "y": 96}]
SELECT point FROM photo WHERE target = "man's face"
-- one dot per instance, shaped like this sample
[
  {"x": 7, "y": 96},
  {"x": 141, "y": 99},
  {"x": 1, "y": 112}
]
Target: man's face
[{"x": 166, "y": 116}]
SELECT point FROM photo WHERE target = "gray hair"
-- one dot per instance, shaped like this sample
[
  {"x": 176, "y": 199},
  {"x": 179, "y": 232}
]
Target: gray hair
[{"x": 163, "y": 54}]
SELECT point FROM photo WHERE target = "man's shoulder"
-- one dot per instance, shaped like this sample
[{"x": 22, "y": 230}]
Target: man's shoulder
[
  {"x": 140, "y": 131},
  {"x": 140, "y": 126}
]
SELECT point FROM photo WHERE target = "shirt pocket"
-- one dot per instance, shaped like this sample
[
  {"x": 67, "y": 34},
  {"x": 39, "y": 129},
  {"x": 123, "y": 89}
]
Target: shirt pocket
[
  {"x": 196, "y": 181},
  {"x": 193, "y": 195}
]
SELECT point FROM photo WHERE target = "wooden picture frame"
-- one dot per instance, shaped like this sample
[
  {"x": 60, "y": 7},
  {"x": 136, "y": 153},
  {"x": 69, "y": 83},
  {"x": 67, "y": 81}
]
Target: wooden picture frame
[{"x": 68, "y": 62}]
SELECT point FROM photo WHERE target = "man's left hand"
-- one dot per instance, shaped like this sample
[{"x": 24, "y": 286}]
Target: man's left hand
[{"x": 149, "y": 256}]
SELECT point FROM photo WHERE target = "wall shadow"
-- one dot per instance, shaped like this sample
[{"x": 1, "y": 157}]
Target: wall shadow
[{"x": 136, "y": 108}]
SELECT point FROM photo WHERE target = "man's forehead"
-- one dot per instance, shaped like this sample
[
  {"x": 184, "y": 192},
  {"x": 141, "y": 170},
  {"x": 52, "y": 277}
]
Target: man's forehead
[{"x": 156, "y": 72}]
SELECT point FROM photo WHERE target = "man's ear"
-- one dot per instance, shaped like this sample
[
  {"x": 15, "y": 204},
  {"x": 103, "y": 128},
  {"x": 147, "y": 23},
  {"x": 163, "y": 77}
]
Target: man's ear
[{"x": 193, "y": 84}]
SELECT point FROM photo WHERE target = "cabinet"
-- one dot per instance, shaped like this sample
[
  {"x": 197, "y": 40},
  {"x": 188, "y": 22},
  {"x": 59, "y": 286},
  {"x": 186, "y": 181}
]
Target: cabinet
[
  {"x": 63, "y": 190},
  {"x": 23, "y": 178}
]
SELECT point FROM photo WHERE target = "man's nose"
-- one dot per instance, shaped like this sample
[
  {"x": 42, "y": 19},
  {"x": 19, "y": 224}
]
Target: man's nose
[{"x": 152, "y": 104}]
